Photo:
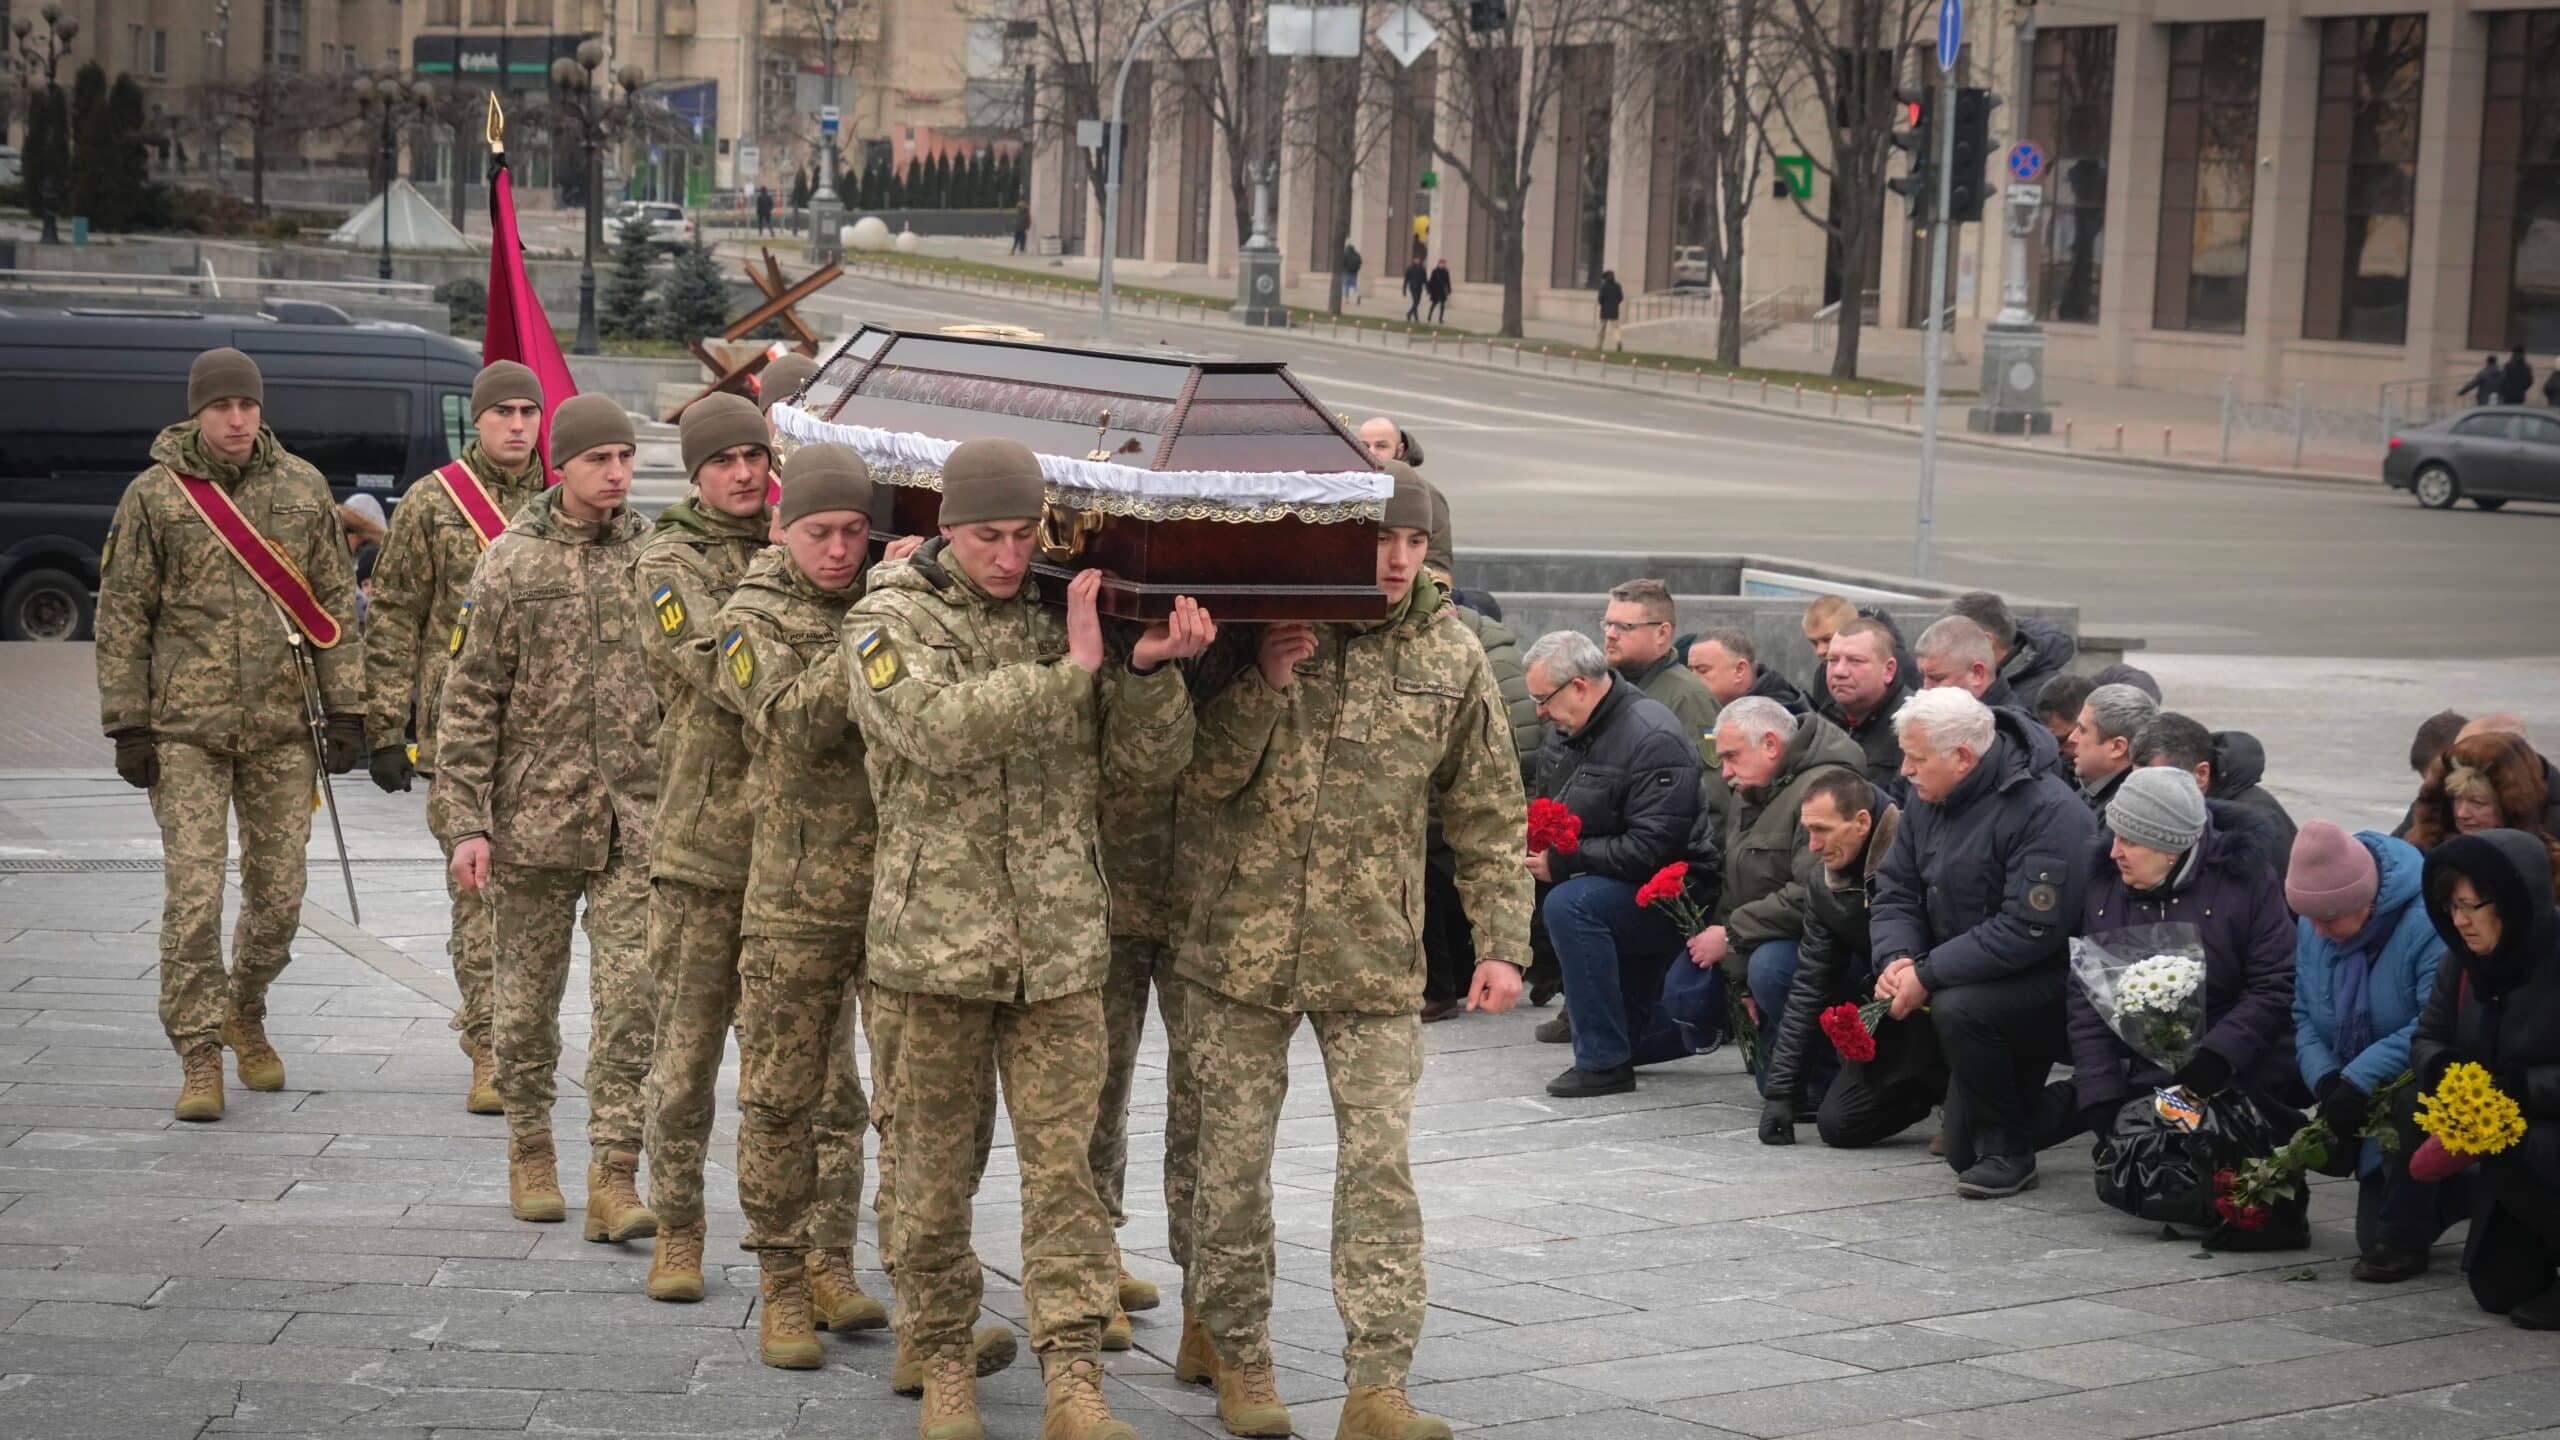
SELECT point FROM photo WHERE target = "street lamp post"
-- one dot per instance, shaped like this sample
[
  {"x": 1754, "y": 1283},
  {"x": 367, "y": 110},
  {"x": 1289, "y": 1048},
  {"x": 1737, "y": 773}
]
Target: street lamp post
[
  {"x": 392, "y": 100},
  {"x": 584, "y": 79},
  {"x": 58, "y": 32}
]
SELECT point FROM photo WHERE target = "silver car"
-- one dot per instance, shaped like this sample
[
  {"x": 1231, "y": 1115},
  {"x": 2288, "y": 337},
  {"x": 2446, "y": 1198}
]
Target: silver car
[{"x": 2490, "y": 456}]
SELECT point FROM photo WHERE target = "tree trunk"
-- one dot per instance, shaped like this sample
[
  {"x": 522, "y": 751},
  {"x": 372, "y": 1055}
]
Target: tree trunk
[
  {"x": 1728, "y": 272},
  {"x": 258, "y": 170},
  {"x": 1512, "y": 221},
  {"x": 1853, "y": 307},
  {"x": 1341, "y": 237}
]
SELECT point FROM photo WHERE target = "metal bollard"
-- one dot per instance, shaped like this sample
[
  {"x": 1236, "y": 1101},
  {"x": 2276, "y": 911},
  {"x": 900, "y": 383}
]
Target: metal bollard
[
  {"x": 1515, "y": 354},
  {"x": 1799, "y": 395},
  {"x": 2164, "y": 442},
  {"x": 1906, "y": 407},
  {"x": 1764, "y": 389},
  {"x": 2066, "y": 437},
  {"x": 1835, "y": 399},
  {"x": 2119, "y": 439},
  {"x": 1546, "y": 362}
]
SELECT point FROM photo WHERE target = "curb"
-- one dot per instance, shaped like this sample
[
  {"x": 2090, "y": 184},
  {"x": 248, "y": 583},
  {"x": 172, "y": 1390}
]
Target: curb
[{"x": 904, "y": 276}]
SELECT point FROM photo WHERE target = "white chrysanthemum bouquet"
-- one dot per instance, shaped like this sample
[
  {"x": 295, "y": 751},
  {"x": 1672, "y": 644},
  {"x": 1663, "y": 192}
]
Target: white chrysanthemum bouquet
[{"x": 2148, "y": 981}]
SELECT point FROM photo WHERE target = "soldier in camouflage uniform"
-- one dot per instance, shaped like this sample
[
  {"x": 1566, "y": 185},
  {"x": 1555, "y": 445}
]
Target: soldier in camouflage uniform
[
  {"x": 199, "y": 688},
  {"x": 419, "y": 581},
  {"x": 801, "y": 1110},
  {"x": 993, "y": 724},
  {"x": 692, "y": 561},
  {"x": 1310, "y": 787},
  {"x": 549, "y": 740}
]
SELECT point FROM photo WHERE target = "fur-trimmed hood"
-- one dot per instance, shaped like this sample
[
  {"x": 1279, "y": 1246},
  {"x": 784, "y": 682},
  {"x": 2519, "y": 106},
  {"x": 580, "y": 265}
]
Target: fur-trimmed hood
[{"x": 2515, "y": 775}]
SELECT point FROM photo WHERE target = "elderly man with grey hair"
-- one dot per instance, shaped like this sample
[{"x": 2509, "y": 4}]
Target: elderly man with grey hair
[
  {"x": 2102, "y": 740},
  {"x": 1955, "y": 651},
  {"x": 1629, "y": 771},
  {"x": 1970, "y": 922}
]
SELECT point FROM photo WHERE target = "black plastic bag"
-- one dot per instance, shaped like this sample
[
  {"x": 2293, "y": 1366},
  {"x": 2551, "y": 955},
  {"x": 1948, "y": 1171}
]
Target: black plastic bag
[{"x": 2151, "y": 1168}]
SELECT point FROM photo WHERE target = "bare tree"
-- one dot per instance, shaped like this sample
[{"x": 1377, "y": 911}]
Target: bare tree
[
  {"x": 1831, "y": 68},
  {"x": 1076, "y": 53},
  {"x": 828, "y": 34},
  {"x": 1237, "y": 82},
  {"x": 1339, "y": 119},
  {"x": 275, "y": 106},
  {"x": 1699, "y": 62},
  {"x": 1507, "y": 83}
]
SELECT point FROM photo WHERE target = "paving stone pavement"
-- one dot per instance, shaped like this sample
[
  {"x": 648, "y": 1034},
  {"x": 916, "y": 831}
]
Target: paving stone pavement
[{"x": 338, "y": 1259}]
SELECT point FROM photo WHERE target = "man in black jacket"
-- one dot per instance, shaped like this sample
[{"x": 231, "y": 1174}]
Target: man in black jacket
[
  {"x": 1849, "y": 828},
  {"x": 1864, "y": 685},
  {"x": 2031, "y": 651},
  {"x": 1971, "y": 915},
  {"x": 2102, "y": 741},
  {"x": 1728, "y": 664},
  {"x": 1628, "y": 770},
  {"x": 2238, "y": 806}
]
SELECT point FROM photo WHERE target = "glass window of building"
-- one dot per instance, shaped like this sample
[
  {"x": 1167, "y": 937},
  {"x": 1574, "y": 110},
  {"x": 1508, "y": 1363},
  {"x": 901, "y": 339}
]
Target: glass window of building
[
  {"x": 2075, "y": 99},
  {"x": 2515, "y": 265},
  {"x": 2364, "y": 177},
  {"x": 2209, "y": 177}
]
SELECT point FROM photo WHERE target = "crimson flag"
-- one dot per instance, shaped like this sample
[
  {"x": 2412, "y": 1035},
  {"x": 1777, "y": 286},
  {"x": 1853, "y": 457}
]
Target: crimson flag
[{"x": 517, "y": 329}]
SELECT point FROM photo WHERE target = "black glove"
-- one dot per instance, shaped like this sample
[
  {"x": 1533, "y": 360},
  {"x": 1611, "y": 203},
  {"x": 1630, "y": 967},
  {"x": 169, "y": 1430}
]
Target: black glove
[
  {"x": 1778, "y": 1121},
  {"x": 392, "y": 769},
  {"x": 2100, "y": 1120},
  {"x": 137, "y": 757},
  {"x": 345, "y": 743},
  {"x": 2204, "y": 1075},
  {"x": 2343, "y": 1106}
]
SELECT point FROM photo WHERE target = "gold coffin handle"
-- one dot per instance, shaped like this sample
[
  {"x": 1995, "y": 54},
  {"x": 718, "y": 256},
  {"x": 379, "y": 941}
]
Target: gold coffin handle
[{"x": 1064, "y": 531}]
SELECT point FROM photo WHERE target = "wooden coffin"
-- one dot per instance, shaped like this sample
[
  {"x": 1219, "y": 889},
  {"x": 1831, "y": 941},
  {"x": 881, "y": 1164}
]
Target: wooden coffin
[{"x": 1222, "y": 480}]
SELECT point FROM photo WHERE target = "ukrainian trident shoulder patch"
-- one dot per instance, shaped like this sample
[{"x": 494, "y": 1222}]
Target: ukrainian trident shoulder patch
[
  {"x": 670, "y": 609},
  {"x": 881, "y": 667},
  {"x": 741, "y": 657}
]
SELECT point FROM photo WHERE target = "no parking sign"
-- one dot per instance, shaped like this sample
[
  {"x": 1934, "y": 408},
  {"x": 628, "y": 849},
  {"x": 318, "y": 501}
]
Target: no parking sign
[{"x": 2026, "y": 162}]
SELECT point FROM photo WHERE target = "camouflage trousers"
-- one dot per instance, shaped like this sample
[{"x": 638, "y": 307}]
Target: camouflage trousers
[
  {"x": 1050, "y": 1053},
  {"x": 198, "y": 793},
  {"x": 471, "y": 939},
  {"x": 1240, "y": 1058},
  {"x": 801, "y": 1111},
  {"x": 1137, "y": 964},
  {"x": 535, "y": 908},
  {"x": 693, "y": 962},
  {"x": 880, "y": 1025}
]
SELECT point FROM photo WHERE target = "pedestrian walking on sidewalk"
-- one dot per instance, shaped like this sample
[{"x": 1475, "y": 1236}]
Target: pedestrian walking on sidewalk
[
  {"x": 1438, "y": 288},
  {"x": 1350, "y": 272},
  {"x": 2515, "y": 382},
  {"x": 225, "y": 559},
  {"x": 1416, "y": 280},
  {"x": 2484, "y": 387},
  {"x": 1021, "y": 226},
  {"x": 1612, "y": 295},
  {"x": 764, "y": 211}
]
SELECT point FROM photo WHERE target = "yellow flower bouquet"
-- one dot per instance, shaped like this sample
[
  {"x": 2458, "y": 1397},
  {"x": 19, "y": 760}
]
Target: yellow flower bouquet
[{"x": 2465, "y": 1117}]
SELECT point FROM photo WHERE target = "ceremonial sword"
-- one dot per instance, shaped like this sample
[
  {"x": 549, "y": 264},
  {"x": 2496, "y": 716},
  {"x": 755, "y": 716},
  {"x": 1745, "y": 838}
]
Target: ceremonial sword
[{"x": 318, "y": 723}]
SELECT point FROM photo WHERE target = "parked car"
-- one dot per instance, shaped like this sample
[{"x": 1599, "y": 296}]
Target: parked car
[
  {"x": 8, "y": 164},
  {"x": 1689, "y": 268},
  {"x": 84, "y": 391},
  {"x": 667, "y": 225},
  {"x": 2490, "y": 455}
]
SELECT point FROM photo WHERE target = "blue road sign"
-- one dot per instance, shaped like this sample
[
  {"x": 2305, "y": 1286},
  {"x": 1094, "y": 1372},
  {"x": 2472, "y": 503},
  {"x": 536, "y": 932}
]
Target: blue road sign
[
  {"x": 1950, "y": 32},
  {"x": 2026, "y": 162}
]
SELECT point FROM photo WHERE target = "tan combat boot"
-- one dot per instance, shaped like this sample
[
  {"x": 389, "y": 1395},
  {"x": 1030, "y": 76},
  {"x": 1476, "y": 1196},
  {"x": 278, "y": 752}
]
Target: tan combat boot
[
  {"x": 835, "y": 1297},
  {"x": 200, "y": 1094},
  {"x": 261, "y": 1068},
  {"x": 533, "y": 1179},
  {"x": 675, "y": 1264},
  {"x": 483, "y": 1097},
  {"x": 1137, "y": 1294},
  {"x": 950, "y": 1399},
  {"x": 1076, "y": 1409},
  {"x": 1116, "y": 1334},
  {"x": 614, "y": 1211},
  {"x": 1249, "y": 1400},
  {"x": 991, "y": 1349},
  {"x": 1195, "y": 1360},
  {"x": 786, "y": 1340},
  {"x": 1381, "y": 1412}
]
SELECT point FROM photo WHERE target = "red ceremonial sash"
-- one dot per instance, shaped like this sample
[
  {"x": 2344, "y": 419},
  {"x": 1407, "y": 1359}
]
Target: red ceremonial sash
[
  {"x": 262, "y": 558},
  {"x": 473, "y": 500}
]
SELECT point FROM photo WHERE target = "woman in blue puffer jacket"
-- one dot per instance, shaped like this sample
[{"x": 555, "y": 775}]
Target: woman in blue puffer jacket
[{"x": 2364, "y": 963}]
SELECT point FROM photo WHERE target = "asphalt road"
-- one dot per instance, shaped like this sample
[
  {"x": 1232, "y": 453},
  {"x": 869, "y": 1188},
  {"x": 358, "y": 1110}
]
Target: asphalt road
[{"x": 2192, "y": 563}]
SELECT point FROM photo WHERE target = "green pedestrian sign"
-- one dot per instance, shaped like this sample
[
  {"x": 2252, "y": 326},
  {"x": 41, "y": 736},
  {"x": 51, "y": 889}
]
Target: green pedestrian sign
[{"x": 1430, "y": 179}]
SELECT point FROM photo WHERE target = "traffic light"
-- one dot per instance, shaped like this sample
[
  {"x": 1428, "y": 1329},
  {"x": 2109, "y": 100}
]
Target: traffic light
[
  {"x": 1967, "y": 189},
  {"x": 1918, "y": 183},
  {"x": 1487, "y": 15}
]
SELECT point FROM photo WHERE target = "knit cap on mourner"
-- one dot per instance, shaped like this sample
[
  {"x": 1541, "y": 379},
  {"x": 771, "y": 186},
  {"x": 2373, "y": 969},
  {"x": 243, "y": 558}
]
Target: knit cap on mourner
[
  {"x": 717, "y": 423},
  {"x": 584, "y": 422},
  {"x": 501, "y": 381},
  {"x": 223, "y": 374},
  {"x": 1409, "y": 508},
  {"x": 823, "y": 479},
  {"x": 989, "y": 479},
  {"x": 783, "y": 379},
  {"x": 2332, "y": 876},
  {"x": 2158, "y": 807}
]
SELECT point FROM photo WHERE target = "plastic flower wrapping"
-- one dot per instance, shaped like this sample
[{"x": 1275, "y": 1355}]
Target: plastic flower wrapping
[{"x": 2148, "y": 982}]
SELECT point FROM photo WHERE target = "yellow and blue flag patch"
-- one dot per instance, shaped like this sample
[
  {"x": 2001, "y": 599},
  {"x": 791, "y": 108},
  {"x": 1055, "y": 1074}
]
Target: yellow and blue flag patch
[
  {"x": 741, "y": 657},
  {"x": 881, "y": 667}
]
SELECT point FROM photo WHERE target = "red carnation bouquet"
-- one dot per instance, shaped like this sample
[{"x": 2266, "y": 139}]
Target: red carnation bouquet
[
  {"x": 1668, "y": 892},
  {"x": 1553, "y": 827},
  {"x": 1852, "y": 1028}
]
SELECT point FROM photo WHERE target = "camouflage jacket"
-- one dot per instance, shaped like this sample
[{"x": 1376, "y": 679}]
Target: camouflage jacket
[
  {"x": 1138, "y": 821},
  {"x": 419, "y": 580},
  {"x": 1307, "y": 808},
  {"x": 549, "y": 728},
  {"x": 687, "y": 568},
  {"x": 190, "y": 646},
  {"x": 1511, "y": 676},
  {"x": 809, "y": 871},
  {"x": 989, "y": 750}
]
